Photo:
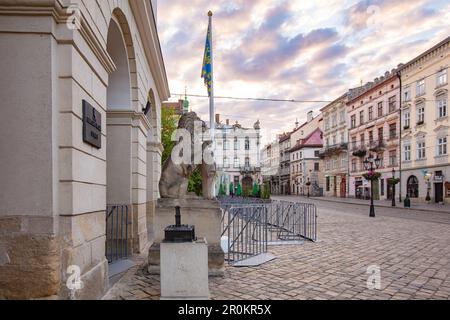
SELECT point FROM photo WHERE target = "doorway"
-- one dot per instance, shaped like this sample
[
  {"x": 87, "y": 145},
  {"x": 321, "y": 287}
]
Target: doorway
[{"x": 438, "y": 192}]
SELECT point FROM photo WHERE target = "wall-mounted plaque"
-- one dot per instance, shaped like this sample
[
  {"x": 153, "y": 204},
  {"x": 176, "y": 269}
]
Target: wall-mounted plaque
[{"x": 92, "y": 125}]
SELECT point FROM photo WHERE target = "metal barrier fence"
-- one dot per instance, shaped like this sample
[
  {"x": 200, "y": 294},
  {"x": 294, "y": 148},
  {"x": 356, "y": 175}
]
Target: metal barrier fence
[
  {"x": 253, "y": 224},
  {"x": 246, "y": 231},
  {"x": 118, "y": 232}
]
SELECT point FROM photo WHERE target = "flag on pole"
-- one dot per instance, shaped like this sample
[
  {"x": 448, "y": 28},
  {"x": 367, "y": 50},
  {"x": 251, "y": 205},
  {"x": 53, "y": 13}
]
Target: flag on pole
[{"x": 207, "y": 60}]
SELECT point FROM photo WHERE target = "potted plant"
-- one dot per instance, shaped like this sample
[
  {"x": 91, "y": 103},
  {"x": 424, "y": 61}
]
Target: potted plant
[
  {"x": 372, "y": 176},
  {"x": 360, "y": 153}
]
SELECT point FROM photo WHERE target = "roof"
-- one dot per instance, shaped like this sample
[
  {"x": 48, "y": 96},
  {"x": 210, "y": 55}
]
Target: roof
[
  {"x": 314, "y": 140},
  {"x": 284, "y": 137},
  {"x": 446, "y": 40}
]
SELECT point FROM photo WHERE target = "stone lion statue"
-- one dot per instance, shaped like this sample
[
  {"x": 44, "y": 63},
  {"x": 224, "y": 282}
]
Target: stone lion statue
[{"x": 175, "y": 176}]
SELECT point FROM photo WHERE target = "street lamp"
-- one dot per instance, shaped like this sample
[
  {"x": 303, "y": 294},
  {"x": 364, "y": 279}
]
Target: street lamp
[
  {"x": 371, "y": 164},
  {"x": 393, "y": 187}
]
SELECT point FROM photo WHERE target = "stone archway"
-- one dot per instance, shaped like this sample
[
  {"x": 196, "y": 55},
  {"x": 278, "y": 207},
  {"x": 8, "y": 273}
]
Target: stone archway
[{"x": 127, "y": 131}]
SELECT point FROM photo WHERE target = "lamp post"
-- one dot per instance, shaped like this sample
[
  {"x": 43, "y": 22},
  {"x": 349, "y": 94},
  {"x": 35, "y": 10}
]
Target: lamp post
[
  {"x": 393, "y": 187},
  {"x": 371, "y": 164}
]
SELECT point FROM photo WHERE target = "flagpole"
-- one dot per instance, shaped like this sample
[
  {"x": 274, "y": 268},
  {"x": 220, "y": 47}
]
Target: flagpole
[{"x": 212, "y": 111}]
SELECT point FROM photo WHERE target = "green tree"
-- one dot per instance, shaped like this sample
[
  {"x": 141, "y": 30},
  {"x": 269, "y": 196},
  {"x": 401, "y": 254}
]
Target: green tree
[{"x": 169, "y": 123}]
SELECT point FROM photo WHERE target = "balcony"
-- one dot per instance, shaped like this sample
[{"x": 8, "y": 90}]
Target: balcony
[
  {"x": 249, "y": 169},
  {"x": 333, "y": 150},
  {"x": 359, "y": 150},
  {"x": 377, "y": 146}
]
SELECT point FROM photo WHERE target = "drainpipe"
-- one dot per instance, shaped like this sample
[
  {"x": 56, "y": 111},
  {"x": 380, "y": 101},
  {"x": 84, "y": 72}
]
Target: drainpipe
[{"x": 400, "y": 141}]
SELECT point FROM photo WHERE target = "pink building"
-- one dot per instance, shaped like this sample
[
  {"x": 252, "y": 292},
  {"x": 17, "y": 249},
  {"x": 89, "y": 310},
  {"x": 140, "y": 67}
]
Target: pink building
[{"x": 374, "y": 124}]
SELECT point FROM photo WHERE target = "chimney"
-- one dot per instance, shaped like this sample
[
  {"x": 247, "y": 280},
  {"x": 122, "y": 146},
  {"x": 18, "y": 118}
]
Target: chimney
[
  {"x": 310, "y": 116},
  {"x": 217, "y": 118},
  {"x": 228, "y": 122}
]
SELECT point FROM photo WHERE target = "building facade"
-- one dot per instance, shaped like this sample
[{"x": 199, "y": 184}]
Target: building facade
[
  {"x": 334, "y": 154},
  {"x": 306, "y": 175},
  {"x": 237, "y": 156},
  {"x": 270, "y": 166},
  {"x": 425, "y": 126},
  {"x": 374, "y": 129},
  {"x": 85, "y": 85},
  {"x": 284, "y": 171}
]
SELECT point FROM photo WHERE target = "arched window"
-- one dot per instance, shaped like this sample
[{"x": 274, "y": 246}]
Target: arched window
[{"x": 412, "y": 187}]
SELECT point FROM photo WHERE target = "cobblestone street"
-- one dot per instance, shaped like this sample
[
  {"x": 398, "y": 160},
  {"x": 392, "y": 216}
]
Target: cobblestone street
[{"x": 413, "y": 255}]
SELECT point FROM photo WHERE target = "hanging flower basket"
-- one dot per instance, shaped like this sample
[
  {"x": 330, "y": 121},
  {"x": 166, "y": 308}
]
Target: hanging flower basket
[
  {"x": 394, "y": 181},
  {"x": 308, "y": 184},
  {"x": 359, "y": 153},
  {"x": 372, "y": 176}
]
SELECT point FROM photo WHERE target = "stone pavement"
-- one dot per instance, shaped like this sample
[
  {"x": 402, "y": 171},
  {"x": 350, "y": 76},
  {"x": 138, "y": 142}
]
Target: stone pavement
[
  {"x": 433, "y": 207},
  {"x": 414, "y": 258}
]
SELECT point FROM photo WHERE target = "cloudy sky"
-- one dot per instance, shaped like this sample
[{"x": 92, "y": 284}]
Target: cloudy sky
[{"x": 291, "y": 49}]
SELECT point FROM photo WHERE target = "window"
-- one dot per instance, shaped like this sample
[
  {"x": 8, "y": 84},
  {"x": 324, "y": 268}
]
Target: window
[
  {"x": 381, "y": 157},
  {"x": 370, "y": 113},
  {"x": 407, "y": 152},
  {"x": 362, "y": 138},
  {"x": 421, "y": 150},
  {"x": 354, "y": 142},
  {"x": 406, "y": 120},
  {"x": 327, "y": 142},
  {"x": 342, "y": 137},
  {"x": 393, "y": 158},
  {"x": 226, "y": 145},
  {"x": 407, "y": 94},
  {"x": 316, "y": 166},
  {"x": 442, "y": 146},
  {"x": 380, "y": 134},
  {"x": 342, "y": 116},
  {"x": 247, "y": 143},
  {"x": 353, "y": 165},
  {"x": 334, "y": 140},
  {"x": 247, "y": 162},
  {"x": 380, "y": 109},
  {"x": 353, "y": 121},
  {"x": 412, "y": 187},
  {"x": 420, "y": 87},
  {"x": 392, "y": 131},
  {"x": 236, "y": 162},
  {"x": 441, "y": 106},
  {"x": 316, "y": 153},
  {"x": 236, "y": 143},
  {"x": 327, "y": 123},
  {"x": 226, "y": 164},
  {"x": 334, "y": 120},
  {"x": 420, "y": 114},
  {"x": 392, "y": 103},
  {"x": 441, "y": 78},
  {"x": 370, "y": 136},
  {"x": 361, "y": 117}
]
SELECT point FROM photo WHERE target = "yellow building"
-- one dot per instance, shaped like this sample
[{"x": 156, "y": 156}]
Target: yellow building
[{"x": 425, "y": 167}]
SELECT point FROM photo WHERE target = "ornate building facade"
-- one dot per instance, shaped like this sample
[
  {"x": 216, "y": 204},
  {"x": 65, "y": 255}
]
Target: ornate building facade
[
  {"x": 334, "y": 154},
  {"x": 270, "y": 166},
  {"x": 85, "y": 84},
  {"x": 374, "y": 122},
  {"x": 426, "y": 126},
  {"x": 237, "y": 156}
]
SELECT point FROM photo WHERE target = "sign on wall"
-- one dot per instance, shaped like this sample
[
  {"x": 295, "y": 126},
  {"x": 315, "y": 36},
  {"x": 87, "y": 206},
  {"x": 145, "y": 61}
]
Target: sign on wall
[{"x": 92, "y": 125}]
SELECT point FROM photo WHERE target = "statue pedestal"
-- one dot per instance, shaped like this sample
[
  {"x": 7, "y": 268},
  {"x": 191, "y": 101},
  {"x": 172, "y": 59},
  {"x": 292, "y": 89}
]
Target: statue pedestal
[
  {"x": 184, "y": 271},
  {"x": 205, "y": 215}
]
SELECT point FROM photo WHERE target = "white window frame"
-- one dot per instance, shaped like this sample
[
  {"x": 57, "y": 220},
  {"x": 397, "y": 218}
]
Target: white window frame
[
  {"x": 421, "y": 150},
  {"x": 441, "y": 78},
  {"x": 407, "y": 152},
  {"x": 407, "y": 119},
  {"x": 407, "y": 94},
  {"x": 442, "y": 107},
  {"x": 420, "y": 113},
  {"x": 420, "y": 87},
  {"x": 442, "y": 146}
]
